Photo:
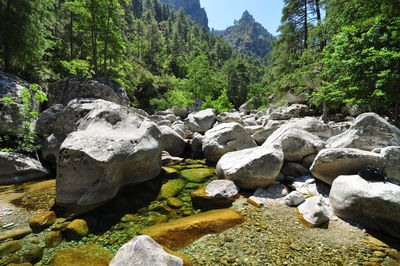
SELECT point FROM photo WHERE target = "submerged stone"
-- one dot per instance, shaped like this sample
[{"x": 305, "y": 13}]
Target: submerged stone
[
  {"x": 87, "y": 255},
  {"x": 198, "y": 175},
  {"x": 171, "y": 188},
  {"x": 184, "y": 231}
]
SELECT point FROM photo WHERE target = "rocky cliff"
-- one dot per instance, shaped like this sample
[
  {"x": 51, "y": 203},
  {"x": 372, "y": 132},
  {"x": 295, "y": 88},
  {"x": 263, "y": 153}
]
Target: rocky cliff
[
  {"x": 192, "y": 9},
  {"x": 248, "y": 36}
]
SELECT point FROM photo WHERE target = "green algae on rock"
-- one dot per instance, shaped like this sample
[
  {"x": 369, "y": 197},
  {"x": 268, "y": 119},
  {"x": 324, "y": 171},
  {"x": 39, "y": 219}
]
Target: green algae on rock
[
  {"x": 175, "y": 203},
  {"x": 197, "y": 175},
  {"x": 87, "y": 255},
  {"x": 171, "y": 188}
]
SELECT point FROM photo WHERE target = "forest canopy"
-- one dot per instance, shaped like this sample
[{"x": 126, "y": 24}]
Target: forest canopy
[{"x": 336, "y": 52}]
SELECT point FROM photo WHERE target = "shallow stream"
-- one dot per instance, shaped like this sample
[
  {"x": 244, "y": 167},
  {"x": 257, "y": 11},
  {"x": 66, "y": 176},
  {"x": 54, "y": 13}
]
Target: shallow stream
[{"x": 270, "y": 235}]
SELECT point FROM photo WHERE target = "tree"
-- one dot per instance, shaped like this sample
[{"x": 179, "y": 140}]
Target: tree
[
  {"x": 201, "y": 78},
  {"x": 26, "y": 36},
  {"x": 361, "y": 66},
  {"x": 237, "y": 81}
]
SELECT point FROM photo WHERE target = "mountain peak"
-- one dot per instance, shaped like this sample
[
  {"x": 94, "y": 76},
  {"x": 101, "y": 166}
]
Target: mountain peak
[
  {"x": 247, "y": 18},
  {"x": 248, "y": 36}
]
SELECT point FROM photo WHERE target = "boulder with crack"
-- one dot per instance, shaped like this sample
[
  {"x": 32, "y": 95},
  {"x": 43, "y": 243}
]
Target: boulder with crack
[{"x": 112, "y": 147}]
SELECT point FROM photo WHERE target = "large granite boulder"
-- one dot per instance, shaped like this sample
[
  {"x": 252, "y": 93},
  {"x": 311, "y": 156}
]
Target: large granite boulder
[
  {"x": 330, "y": 163},
  {"x": 112, "y": 146},
  {"x": 296, "y": 143},
  {"x": 201, "y": 121},
  {"x": 12, "y": 87},
  {"x": 143, "y": 250},
  {"x": 67, "y": 89},
  {"x": 369, "y": 131},
  {"x": 251, "y": 168},
  {"x": 223, "y": 138},
  {"x": 17, "y": 168},
  {"x": 47, "y": 119},
  {"x": 314, "y": 126},
  {"x": 171, "y": 141},
  {"x": 374, "y": 204}
]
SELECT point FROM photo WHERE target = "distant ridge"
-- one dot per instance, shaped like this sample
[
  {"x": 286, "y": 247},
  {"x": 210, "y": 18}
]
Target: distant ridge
[{"x": 192, "y": 9}]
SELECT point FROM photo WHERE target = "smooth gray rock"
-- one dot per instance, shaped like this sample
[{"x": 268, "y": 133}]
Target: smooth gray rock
[
  {"x": 391, "y": 156},
  {"x": 228, "y": 117},
  {"x": 286, "y": 113},
  {"x": 223, "y": 138},
  {"x": 294, "y": 199},
  {"x": 180, "y": 111},
  {"x": 144, "y": 251},
  {"x": 252, "y": 129},
  {"x": 67, "y": 89},
  {"x": 369, "y": 131},
  {"x": 112, "y": 147},
  {"x": 306, "y": 185},
  {"x": 222, "y": 189},
  {"x": 274, "y": 191},
  {"x": 201, "y": 121},
  {"x": 196, "y": 145},
  {"x": 296, "y": 143},
  {"x": 251, "y": 168},
  {"x": 315, "y": 210},
  {"x": 330, "y": 163},
  {"x": 261, "y": 135},
  {"x": 12, "y": 86},
  {"x": 17, "y": 168},
  {"x": 47, "y": 119},
  {"x": 249, "y": 122},
  {"x": 181, "y": 129},
  {"x": 171, "y": 141},
  {"x": 295, "y": 170},
  {"x": 374, "y": 204}
]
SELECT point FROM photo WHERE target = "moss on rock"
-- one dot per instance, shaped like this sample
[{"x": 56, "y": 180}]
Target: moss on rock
[
  {"x": 171, "y": 188},
  {"x": 197, "y": 175}
]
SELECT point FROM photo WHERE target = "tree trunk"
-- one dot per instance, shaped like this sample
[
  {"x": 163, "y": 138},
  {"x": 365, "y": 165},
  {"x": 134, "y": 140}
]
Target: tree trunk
[
  {"x": 93, "y": 32},
  {"x": 305, "y": 24}
]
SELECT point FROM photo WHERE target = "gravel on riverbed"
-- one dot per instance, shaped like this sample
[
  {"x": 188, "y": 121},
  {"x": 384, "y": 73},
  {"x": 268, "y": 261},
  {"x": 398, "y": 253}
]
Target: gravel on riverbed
[{"x": 274, "y": 235}]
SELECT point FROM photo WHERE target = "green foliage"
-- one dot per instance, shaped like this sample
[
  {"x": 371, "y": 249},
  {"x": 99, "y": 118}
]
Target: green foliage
[
  {"x": 174, "y": 97},
  {"x": 361, "y": 66},
  {"x": 77, "y": 67},
  {"x": 26, "y": 141},
  {"x": 26, "y": 36},
  {"x": 237, "y": 81},
  {"x": 201, "y": 80},
  {"x": 221, "y": 104}
]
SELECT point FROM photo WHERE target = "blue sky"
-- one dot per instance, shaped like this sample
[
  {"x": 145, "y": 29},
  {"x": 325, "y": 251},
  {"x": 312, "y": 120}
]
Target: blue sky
[{"x": 221, "y": 13}]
